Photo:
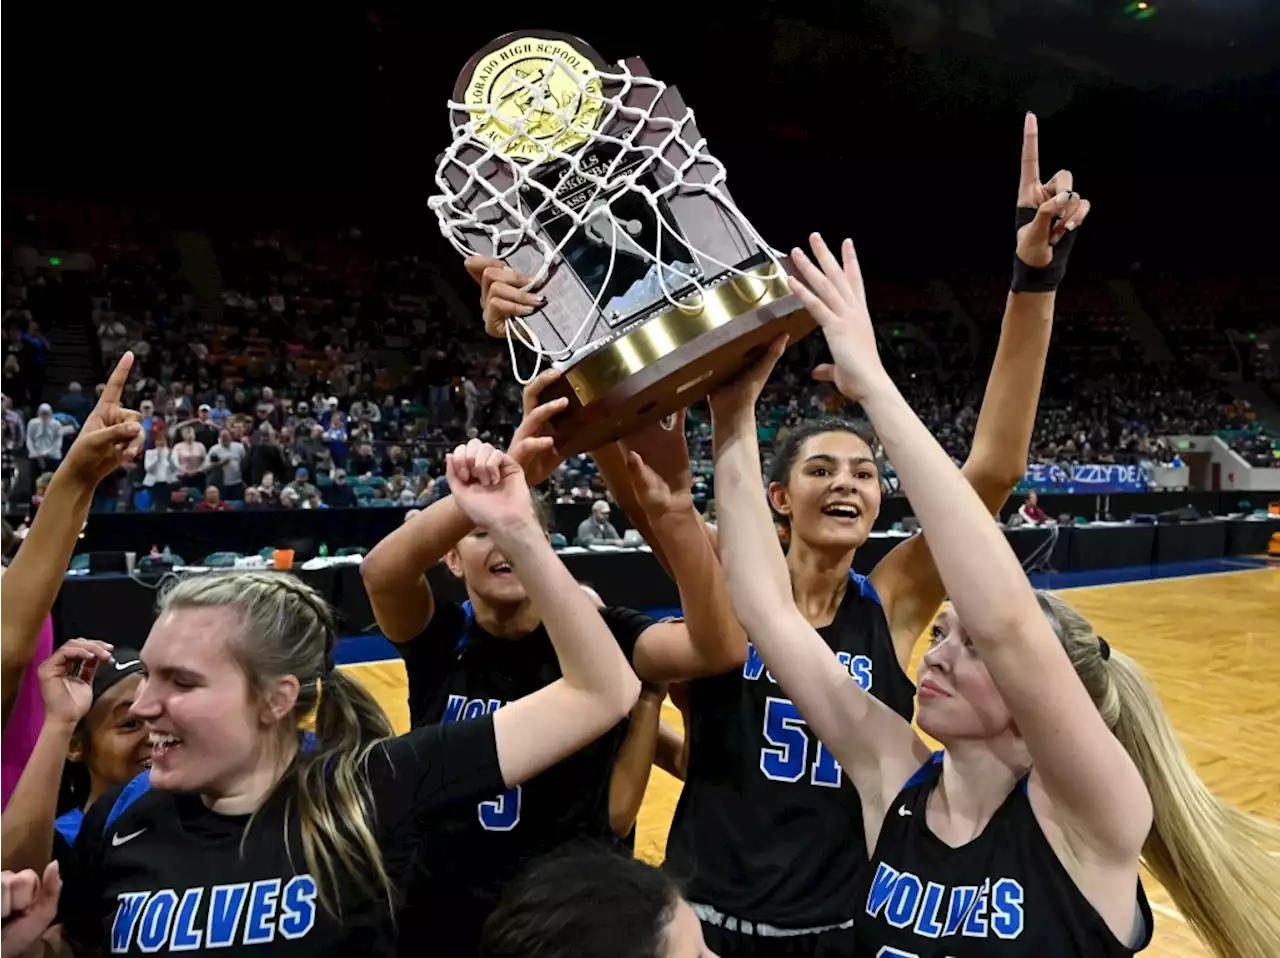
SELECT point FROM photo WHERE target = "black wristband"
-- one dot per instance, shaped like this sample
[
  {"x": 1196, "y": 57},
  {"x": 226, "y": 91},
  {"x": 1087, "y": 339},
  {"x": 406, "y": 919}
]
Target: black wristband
[{"x": 1036, "y": 279}]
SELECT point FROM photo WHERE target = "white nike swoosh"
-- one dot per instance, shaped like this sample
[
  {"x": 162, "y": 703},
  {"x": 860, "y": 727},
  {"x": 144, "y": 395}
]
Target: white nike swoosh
[
  {"x": 118, "y": 840},
  {"x": 904, "y": 811},
  {"x": 121, "y": 666}
]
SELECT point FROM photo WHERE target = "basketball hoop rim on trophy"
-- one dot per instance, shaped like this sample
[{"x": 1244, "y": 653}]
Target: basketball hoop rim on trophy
[{"x": 597, "y": 183}]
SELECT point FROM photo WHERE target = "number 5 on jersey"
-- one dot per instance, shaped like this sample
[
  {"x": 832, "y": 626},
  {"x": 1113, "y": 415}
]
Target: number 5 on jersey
[
  {"x": 503, "y": 813},
  {"x": 786, "y": 757}
]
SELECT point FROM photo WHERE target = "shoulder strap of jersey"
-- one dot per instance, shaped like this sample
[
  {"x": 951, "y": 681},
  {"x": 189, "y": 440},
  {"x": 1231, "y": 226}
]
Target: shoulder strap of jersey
[
  {"x": 865, "y": 588},
  {"x": 470, "y": 614},
  {"x": 136, "y": 788},
  {"x": 924, "y": 771}
]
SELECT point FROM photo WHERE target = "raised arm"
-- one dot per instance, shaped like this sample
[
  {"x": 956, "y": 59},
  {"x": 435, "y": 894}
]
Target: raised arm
[
  {"x": 66, "y": 684},
  {"x": 871, "y": 742},
  {"x": 597, "y": 689},
  {"x": 110, "y": 438},
  {"x": 635, "y": 760},
  {"x": 1084, "y": 768},
  {"x": 395, "y": 570},
  {"x": 710, "y": 640},
  {"x": 907, "y": 579}
]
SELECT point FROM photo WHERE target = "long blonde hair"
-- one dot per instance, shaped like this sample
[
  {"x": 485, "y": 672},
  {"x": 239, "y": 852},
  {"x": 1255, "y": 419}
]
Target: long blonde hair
[
  {"x": 1213, "y": 858},
  {"x": 288, "y": 629}
]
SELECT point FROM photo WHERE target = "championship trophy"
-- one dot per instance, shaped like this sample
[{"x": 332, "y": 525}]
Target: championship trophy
[{"x": 657, "y": 288}]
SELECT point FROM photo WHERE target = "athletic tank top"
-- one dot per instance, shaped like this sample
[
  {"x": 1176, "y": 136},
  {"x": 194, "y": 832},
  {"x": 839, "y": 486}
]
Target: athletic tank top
[
  {"x": 768, "y": 827},
  {"x": 27, "y": 717},
  {"x": 1003, "y": 894}
]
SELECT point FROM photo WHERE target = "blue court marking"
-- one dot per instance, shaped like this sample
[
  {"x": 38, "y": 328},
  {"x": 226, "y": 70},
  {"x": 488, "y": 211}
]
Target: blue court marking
[{"x": 1144, "y": 573}]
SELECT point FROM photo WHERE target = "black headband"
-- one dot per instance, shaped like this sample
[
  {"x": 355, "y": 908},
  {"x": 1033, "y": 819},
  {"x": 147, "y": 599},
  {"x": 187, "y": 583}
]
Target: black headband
[{"x": 1104, "y": 649}]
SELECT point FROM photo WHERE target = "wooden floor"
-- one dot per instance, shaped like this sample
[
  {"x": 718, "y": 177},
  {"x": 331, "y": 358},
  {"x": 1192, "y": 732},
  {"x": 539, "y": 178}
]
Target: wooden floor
[{"x": 1212, "y": 646}]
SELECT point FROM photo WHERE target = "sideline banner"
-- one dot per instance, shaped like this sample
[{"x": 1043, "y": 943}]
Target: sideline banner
[{"x": 1100, "y": 478}]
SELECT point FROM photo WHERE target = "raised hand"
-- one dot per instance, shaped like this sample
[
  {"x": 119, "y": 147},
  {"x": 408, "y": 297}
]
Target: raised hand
[
  {"x": 738, "y": 396},
  {"x": 1059, "y": 209},
  {"x": 531, "y": 446},
  {"x": 28, "y": 904},
  {"x": 111, "y": 436},
  {"x": 835, "y": 297},
  {"x": 66, "y": 679},
  {"x": 658, "y": 459},
  {"x": 489, "y": 486},
  {"x": 501, "y": 295}
]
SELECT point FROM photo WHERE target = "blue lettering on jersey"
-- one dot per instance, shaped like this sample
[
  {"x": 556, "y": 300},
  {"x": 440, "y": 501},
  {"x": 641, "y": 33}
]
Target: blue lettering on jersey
[
  {"x": 962, "y": 899},
  {"x": 786, "y": 756},
  {"x": 501, "y": 814},
  {"x": 1006, "y": 908},
  {"x": 975, "y": 926},
  {"x": 753, "y": 668},
  {"x": 186, "y": 937},
  {"x": 904, "y": 900},
  {"x": 163, "y": 921},
  {"x": 157, "y": 920},
  {"x": 128, "y": 911},
  {"x": 225, "y": 907},
  {"x": 262, "y": 908},
  {"x": 298, "y": 907}
]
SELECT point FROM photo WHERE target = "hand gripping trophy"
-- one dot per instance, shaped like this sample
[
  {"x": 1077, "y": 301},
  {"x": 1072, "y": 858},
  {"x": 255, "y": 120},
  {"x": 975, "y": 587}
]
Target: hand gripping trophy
[{"x": 598, "y": 185}]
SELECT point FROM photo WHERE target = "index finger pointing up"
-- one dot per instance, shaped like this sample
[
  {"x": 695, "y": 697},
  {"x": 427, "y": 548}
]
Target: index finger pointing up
[
  {"x": 114, "y": 390},
  {"x": 1030, "y": 151}
]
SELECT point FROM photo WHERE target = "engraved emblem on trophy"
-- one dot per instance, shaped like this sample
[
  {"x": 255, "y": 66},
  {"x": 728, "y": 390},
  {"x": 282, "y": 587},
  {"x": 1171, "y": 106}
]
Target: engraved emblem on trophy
[{"x": 597, "y": 184}]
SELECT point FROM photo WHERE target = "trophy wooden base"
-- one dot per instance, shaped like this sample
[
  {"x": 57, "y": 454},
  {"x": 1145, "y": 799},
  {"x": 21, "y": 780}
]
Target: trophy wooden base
[{"x": 670, "y": 360}]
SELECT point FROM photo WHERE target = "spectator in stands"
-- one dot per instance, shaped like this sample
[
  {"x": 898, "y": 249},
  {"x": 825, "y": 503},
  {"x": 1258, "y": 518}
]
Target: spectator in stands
[
  {"x": 112, "y": 336},
  {"x": 339, "y": 493},
  {"x": 253, "y": 498},
  {"x": 288, "y": 499},
  {"x": 147, "y": 410},
  {"x": 219, "y": 413},
  {"x": 336, "y": 437},
  {"x": 44, "y": 439},
  {"x": 364, "y": 408},
  {"x": 225, "y": 466},
  {"x": 75, "y": 403},
  {"x": 160, "y": 472},
  {"x": 15, "y": 379},
  {"x": 213, "y": 502},
  {"x": 15, "y": 433},
  {"x": 190, "y": 456},
  {"x": 1031, "y": 512},
  {"x": 268, "y": 489},
  {"x": 396, "y": 459},
  {"x": 207, "y": 430},
  {"x": 302, "y": 485},
  {"x": 265, "y": 455},
  {"x": 596, "y": 529},
  {"x": 36, "y": 352},
  {"x": 363, "y": 463}
]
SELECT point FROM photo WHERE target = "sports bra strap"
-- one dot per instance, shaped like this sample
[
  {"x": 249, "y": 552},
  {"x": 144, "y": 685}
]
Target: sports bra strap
[{"x": 136, "y": 788}]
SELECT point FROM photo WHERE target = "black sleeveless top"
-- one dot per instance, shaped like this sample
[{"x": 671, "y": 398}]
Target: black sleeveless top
[
  {"x": 1003, "y": 894},
  {"x": 768, "y": 827}
]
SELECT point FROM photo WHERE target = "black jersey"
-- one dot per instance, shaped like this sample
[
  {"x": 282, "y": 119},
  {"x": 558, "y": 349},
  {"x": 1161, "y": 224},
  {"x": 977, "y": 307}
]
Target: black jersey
[
  {"x": 768, "y": 827},
  {"x": 458, "y": 671},
  {"x": 158, "y": 871},
  {"x": 1004, "y": 893}
]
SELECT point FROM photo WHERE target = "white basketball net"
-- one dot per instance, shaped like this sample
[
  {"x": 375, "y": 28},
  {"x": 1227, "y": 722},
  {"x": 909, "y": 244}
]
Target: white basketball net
[{"x": 508, "y": 216}]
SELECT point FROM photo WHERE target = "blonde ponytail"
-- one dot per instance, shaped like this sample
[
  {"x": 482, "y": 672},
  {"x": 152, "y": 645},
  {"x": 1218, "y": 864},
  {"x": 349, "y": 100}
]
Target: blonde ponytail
[
  {"x": 288, "y": 629},
  {"x": 1214, "y": 859}
]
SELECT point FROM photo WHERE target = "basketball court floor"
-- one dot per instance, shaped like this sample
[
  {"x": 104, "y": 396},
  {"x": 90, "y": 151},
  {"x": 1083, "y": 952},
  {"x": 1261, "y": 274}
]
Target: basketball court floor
[{"x": 1207, "y": 633}]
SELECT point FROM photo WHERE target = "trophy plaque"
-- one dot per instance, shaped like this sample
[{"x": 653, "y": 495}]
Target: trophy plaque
[{"x": 598, "y": 185}]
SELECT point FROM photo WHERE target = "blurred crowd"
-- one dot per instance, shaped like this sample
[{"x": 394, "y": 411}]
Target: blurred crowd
[{"x": 309, "y": 374}]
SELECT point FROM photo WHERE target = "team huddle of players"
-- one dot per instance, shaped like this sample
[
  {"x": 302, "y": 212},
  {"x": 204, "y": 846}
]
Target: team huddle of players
[{"x": 813, "y": 818}]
